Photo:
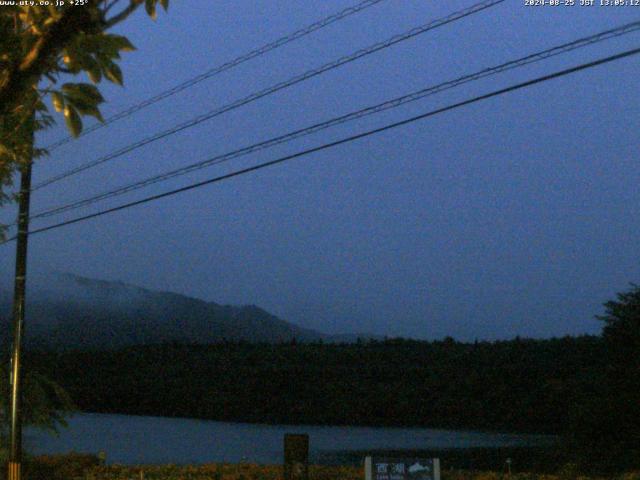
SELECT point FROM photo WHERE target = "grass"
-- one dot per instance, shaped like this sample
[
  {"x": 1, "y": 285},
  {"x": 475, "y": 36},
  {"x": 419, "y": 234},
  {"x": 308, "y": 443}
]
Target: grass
[{"x": 88, "y": 467}]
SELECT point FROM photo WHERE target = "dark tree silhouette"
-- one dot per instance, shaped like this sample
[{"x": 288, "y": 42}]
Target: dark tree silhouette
[
  {"x": 622, "y": 328},
  {"x": 606, "y": 427}
]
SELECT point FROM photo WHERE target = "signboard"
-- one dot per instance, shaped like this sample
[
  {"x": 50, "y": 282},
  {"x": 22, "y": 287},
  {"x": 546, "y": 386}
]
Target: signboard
[{"x": 386, "y": 468}]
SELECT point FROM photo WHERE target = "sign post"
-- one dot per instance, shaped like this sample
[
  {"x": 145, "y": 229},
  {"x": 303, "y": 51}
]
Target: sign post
[{"x": 296, "y": 456}]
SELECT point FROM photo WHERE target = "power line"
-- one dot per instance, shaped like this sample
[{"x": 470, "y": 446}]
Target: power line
[
  {"x": 223, "y": 68},
  {"x": 387, "y": 105},
  {"x": 277, "y": 87},
  {"x": 351, "y": 138}
]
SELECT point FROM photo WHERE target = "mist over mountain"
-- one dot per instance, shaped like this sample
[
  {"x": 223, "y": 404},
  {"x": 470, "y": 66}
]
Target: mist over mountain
[{"x": 66, "y": 311}]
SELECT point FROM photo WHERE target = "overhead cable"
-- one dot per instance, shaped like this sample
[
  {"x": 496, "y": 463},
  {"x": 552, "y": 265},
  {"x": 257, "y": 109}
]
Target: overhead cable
[
  {"x": 476, "y": 8},
  {"x": 387, "y": 105},
  {"x": 222, "y": 68},
  {"x": 342, "y": 141}
]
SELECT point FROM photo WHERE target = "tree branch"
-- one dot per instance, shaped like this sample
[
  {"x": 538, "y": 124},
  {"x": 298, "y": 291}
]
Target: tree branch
[
  {"x": 132, "y": 7},
  {"x": 108, "y": 6}
]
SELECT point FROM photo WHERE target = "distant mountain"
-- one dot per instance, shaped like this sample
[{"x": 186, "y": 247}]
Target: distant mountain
[{"x": 67, "y": 311}]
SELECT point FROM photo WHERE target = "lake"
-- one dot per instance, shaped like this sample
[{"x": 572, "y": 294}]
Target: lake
[{"x": 132, "y": 440}]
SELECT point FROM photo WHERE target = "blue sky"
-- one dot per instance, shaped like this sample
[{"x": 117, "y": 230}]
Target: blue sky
[{"x": 513, "y": 216}]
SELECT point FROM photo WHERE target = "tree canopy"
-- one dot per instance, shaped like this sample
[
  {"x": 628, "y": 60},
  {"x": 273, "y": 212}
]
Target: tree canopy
[
  {"x": 606, "y": 424},
  {"x": 45, "y": 402},
  {"x": 622, "y": 324},
  {"x": 40, "y": 48}
]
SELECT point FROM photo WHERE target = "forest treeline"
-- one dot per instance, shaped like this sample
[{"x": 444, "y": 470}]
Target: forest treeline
[
  {"x": 585, "y": 389},
  {"x": 520, "y": 385}
]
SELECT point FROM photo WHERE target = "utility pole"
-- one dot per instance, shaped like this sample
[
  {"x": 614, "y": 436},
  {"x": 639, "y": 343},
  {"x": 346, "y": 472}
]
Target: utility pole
[{"x": 15, "y": 452}]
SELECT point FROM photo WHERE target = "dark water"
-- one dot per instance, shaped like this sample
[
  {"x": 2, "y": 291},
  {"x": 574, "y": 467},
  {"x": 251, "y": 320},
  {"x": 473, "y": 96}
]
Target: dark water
[{"x": 153, "y": 440}]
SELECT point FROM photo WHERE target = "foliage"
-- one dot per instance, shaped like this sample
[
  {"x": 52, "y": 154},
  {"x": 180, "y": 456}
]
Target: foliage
[
  {"x": 622, "y": 327},
  {"x": 60, "y": 467},
  {"x": 201, "y": 472},
  {"x": 606, "y": 426},
  {"x": 40, "y": 45},
  {"x": 45, "y": 403},
  {"x": 519, "y": 385},
  {"x": 87, "y": 467}
]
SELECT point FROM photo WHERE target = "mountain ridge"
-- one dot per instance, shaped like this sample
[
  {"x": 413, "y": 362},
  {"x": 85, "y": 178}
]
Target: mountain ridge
[{"x": 71, "y": 312}]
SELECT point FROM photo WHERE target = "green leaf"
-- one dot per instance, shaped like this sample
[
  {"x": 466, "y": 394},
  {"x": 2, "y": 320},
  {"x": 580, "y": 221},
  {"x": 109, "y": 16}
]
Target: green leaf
[
  {"x": 40, "y": 152},
  {"x": 83, "y": 91},
  {"x": 41, "y": 107},
  {"x": 95, "y": 74},
  {"x": 58, "y": 101},
  {"x": 121, "y": 43},
  {"x": 150, "y": 7},
  {"x": 89, "y": 43},
  {"x": 107, "y": 49},
  {"x": 86, "y": 108},
  {"x": 84, "y": 98},
  {"x": 70, "y": 59},
  {"x": 90, "y": 65},
  {"x": 73, "y": 121},
  {"x": 165, "y": 4},
  {"x": 112, "y": 72}
]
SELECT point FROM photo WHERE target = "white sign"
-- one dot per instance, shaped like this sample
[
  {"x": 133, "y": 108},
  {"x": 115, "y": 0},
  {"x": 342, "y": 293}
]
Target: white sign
[{"x": 385, "y": 468}]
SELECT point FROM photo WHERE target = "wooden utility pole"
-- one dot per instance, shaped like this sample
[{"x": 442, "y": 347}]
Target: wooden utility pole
[{"x": 15, "y": 452}]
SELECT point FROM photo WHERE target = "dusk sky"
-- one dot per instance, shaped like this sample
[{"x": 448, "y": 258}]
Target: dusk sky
[{"x": 512, "y": 216}]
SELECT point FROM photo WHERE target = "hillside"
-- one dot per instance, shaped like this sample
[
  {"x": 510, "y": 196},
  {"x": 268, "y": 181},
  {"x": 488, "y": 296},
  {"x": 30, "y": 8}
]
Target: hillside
[{"x": 67, "y": 311}]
